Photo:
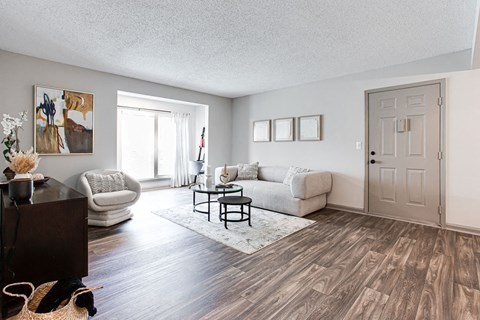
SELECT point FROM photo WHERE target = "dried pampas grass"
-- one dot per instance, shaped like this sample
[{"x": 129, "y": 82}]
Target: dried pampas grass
[{"x": 23, "y": 162}]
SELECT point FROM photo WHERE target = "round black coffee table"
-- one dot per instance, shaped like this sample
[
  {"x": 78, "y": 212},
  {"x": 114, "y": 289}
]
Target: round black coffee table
[
  {"x": 209, "y": 191},
  {"x": 235, "y": 201}
]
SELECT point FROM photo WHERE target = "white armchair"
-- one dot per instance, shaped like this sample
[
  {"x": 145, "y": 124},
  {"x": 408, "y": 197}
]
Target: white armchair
[{"x": 109, "y": 208}]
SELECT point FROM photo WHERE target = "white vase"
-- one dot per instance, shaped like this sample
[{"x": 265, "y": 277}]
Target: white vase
[
  {"x": 23, "y": 176},
  {"x": 208, "y": 181}
]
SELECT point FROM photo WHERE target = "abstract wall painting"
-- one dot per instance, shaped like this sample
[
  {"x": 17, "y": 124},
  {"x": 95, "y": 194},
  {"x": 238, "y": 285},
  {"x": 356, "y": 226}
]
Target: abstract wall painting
[{"x": 63, "y": 121}]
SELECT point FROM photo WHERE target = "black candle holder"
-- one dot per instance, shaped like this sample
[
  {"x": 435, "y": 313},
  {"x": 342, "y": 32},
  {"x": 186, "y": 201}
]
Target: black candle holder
[{"x": 20, "y": 190}]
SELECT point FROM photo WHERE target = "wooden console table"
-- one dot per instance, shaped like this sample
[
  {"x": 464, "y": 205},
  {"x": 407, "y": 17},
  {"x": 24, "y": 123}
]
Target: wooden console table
[{"x": 51, "y": 237}]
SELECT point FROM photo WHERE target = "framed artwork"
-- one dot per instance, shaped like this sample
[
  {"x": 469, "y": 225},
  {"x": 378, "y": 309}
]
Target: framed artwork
[
  {"x": 283, "y": 129},
  {"x": 63, "y": 121},
  {"x": 309, "y": 128},
  {"x": 261, "y": 131}
]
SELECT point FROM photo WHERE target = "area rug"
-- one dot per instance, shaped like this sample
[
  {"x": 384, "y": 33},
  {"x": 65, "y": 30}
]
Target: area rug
[{"x": 267, "y": 226}]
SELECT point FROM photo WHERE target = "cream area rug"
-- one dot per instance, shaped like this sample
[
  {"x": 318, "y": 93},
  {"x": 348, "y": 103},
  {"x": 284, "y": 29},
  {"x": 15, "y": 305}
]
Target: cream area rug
[{"x": 267, "y": 226}]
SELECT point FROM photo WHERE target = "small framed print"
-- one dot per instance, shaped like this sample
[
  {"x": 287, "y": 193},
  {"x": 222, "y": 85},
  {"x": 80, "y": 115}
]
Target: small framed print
[
  {"x": 261, "y": 131},
  {"x": 284, "y": 129},
  {"x": 309, "y": 128}
]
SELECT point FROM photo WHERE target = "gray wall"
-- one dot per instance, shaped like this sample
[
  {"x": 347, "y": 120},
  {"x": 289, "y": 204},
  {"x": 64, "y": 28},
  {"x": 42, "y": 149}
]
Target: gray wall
[
  {"x": 341, "y": 101},
  {"x": 19, "y": 73}
]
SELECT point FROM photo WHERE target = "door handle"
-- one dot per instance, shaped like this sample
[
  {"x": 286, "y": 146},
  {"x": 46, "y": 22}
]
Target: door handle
[{"x": 372, "y": 161}]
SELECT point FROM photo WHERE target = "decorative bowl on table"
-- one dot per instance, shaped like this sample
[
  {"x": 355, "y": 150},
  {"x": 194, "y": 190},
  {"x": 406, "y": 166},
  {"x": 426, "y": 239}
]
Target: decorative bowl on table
[{"x": 39, "y": 182}]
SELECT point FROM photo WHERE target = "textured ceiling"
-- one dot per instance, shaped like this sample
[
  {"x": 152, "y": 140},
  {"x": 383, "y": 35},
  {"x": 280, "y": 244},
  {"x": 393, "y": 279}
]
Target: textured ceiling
[{"x": 235, "y": 48}]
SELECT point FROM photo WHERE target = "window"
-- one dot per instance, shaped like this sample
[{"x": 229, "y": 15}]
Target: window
[{"x": 146, "y": 143}]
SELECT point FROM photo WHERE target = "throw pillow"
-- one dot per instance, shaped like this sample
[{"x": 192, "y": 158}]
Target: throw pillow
[
  {"x": 292, "y": 171},
  {"x": 247, "y": 171},
  {"x": 106, "y": 182}
]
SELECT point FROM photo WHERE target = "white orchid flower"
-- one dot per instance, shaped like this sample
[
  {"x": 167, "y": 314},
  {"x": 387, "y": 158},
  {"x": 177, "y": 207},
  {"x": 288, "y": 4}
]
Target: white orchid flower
[
  {"x": 23, "y": 116},
  {"x": 10, "y": 129},
  {"x": 7, "y": 127}
]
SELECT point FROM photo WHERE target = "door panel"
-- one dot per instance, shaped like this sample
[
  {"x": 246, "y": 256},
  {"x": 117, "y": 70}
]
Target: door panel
[
  {"x": 388, "y": 177},
  {"x": 387, "y": 136},
  {"x": 416, "y": 136},
  {"x": 416, "y": 187},
  {"x": 404, "y": 134}
]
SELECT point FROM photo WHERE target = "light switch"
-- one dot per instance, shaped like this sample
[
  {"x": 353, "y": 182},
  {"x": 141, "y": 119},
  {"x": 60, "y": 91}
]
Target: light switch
[{"x": 358, "y": 145}]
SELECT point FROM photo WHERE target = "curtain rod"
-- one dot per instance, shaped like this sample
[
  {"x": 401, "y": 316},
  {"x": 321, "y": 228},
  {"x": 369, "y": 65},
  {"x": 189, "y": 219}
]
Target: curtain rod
[{"x": 137, "y": 108}]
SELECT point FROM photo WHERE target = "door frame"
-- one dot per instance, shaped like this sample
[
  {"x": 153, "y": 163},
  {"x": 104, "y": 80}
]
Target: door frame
[{"x": 442, "y": 83}]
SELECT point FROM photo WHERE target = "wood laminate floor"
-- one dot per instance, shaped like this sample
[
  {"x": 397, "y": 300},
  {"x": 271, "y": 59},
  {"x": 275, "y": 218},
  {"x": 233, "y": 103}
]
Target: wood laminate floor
[{"x": 345, "y": 266}]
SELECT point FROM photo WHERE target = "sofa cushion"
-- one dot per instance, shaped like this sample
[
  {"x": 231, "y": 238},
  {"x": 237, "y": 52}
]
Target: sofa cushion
[
  {"x": 100, "y": 183},
  {"x": 114, "y": 198},
  {"x": 292, "y": 171},
  {"x": 273, "y": 174},
  {"x": 247, "y": 171},
  {"x": 278, "y": 197}
]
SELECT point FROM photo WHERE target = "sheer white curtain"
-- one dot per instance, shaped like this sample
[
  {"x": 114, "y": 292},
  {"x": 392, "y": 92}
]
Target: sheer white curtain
[{"x": 180, "y": 172}]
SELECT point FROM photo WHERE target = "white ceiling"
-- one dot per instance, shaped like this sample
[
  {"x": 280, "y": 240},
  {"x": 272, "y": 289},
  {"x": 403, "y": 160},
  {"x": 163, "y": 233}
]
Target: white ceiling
[{"x": 234, "y": 48}]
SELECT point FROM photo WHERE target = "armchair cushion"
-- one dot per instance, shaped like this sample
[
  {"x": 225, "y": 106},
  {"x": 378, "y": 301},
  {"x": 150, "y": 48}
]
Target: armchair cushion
[
  {"x": 114, "y": 198},
  {"x": 100, "y": 183}
]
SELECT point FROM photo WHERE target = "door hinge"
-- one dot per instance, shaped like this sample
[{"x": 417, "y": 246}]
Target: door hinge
[
  {"x": 440, "y": 210},
  {"x": 440, "y": 101},
  {"x": 440, "y": 155}
]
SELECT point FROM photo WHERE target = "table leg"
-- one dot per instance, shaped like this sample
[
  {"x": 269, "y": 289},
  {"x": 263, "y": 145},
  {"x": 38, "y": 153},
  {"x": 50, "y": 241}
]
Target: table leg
[
  {"x": 193, "y": 201},
  {"x": 241, "y": 210},
  {"x": 226, "y": 210},
  {"x": 209, "y": 207},
  {"x": 220, "y": 212},
  {"x": 249, "y": 215}
]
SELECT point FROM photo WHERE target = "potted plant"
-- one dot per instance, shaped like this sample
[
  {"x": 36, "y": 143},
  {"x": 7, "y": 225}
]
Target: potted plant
[
  {"x": 11, "y": 141},
  {"x": 20, "y": 188}
]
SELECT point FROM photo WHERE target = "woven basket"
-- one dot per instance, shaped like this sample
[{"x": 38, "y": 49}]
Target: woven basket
[{"x": 70, "y": 311}]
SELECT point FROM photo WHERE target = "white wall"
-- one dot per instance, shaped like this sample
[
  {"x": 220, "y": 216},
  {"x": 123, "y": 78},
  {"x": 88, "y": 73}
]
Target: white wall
[
  {"x": 463, "y": 149},
  {"x": 19, "y": 73},
  {"x": 341, "y": 101}
]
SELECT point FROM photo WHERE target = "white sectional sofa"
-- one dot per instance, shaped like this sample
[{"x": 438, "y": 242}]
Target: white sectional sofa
[{"x": 307, "y": 192}]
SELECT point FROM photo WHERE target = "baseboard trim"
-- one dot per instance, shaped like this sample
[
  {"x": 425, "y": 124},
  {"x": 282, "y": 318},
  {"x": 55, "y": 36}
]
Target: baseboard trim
[
  {"x": 459, "y": 228},
  {"x": 448, "y": 226},
  {"x": 360, "y": 211},
  {"x": 344, "y": 208},
  {"x": 428, "y": 224}
]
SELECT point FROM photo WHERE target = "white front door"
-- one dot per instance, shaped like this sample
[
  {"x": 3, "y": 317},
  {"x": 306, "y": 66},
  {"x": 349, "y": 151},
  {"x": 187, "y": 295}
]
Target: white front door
[{"x": 404, "y": 145}]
